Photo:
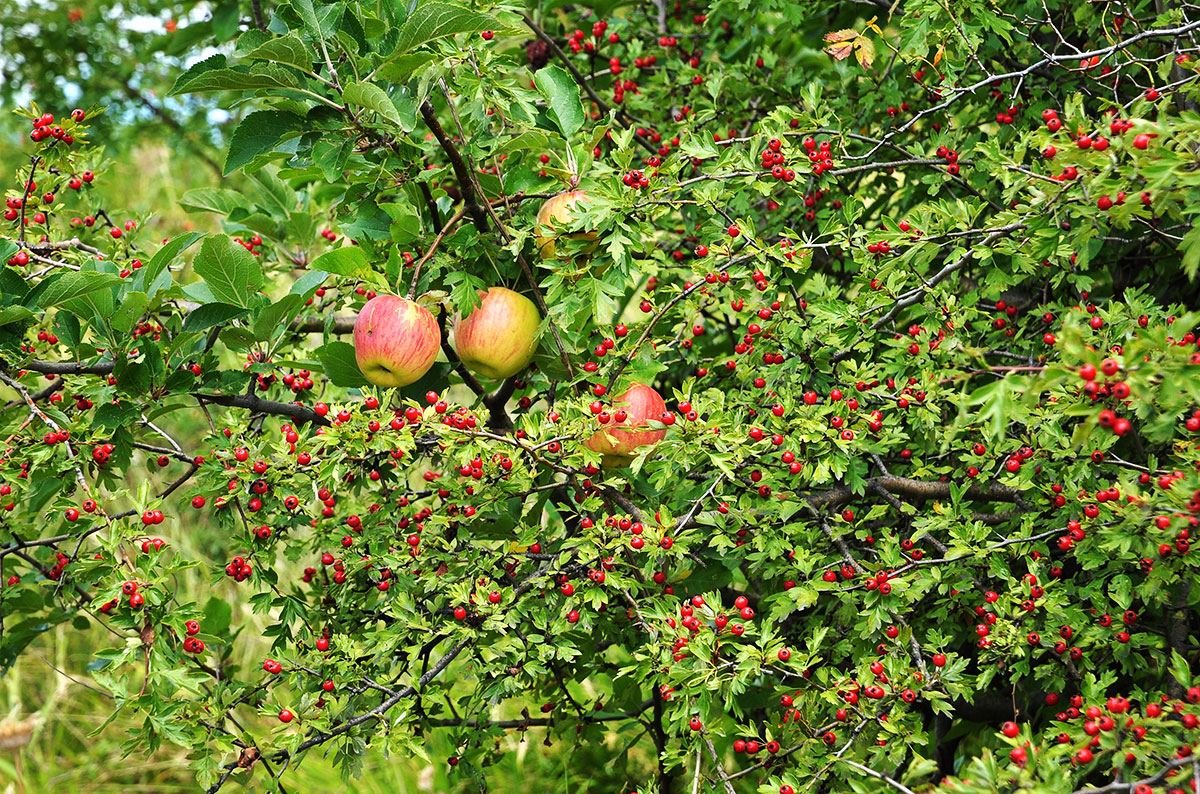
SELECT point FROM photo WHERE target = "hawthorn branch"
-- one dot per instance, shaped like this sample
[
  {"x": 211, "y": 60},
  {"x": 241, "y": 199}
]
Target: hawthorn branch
[
  {"x": 449, "y": 226},
  {"x": 916, "y": 294},
  {"x": 917, "y": 489},
  {"x": 259, "y": 405},
  {"x": 1117, "y": 787},
  {"x": 866, "y": 770},
  {"x": 462, "y": 174}
]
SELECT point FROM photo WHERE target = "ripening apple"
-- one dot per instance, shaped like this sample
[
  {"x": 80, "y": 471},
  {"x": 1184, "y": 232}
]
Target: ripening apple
[
  {"x": 498, "y": 339},
  {"x": 395, "y": 341},
  {"x": 556, "y": 213},
  {"x": 618, "y": 441}
]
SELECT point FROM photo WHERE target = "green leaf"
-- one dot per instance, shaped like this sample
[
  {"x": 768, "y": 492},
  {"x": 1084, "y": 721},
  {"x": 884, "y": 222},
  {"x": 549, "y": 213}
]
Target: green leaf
[
  {"x": 349, "y": 261},
  {"x": 308, "y": 283},
  {"x": 75, "y": 284},
  {"x": 403, "y": 68},
  {"x": 434, "y": 20},
  {"x": 308, "y": 16},
  {"x": 225, "y": 21},
  {"x": 234, "y": 80},
  {"x": 207, "y": 199},
  {"x": 274, "y": 317},
  {"x": 231, "y": 272},
  {"x": 218, "y": 614},
  {"x": 257, "y": 134},
  {"x": 1179, "y": 669},
  {"x": 133, "y": 305},
  {"x": 7, "y": 249},
  {"x": 562, "y": 95},
  {"x": 340, "y": 364},
  {"x": 204, "y": 317},
  {"x": 207, "y": 65},
  {"x": 162, "y": 258},
  {"x": 371, "y": 97},
  {"x": 14, "y": 314},
  {"x": 288, "y": 50}
]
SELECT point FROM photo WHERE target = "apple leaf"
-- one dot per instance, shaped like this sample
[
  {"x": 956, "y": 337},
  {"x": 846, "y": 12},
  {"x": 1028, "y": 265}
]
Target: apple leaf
[
  {"x": 341, "y": 365},
  {"x": 229, "y": 270},
  {"x": 431, "y": 21},
  {"x": 257, "y": 134},
  {"x": 372, "y": 97},
  {"x": 562, "y": 95}
]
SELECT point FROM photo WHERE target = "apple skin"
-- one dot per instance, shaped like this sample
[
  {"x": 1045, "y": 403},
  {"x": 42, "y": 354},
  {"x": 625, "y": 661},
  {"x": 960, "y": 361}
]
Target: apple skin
[
  {"x": 498, "y": 339},
  {"x": 556, "y": 211},
  {"x": 642, "y": 403},
  {"x": 395, "y": 341}
]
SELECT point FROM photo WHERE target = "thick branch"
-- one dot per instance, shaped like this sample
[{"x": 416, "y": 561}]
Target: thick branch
[
  {"x": 462, "y": 173},
  {"x": 917, "y": 489},
  {"x": 258, "y": 405}
]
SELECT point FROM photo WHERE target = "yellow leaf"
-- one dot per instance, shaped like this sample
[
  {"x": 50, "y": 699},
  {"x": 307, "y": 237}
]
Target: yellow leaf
[
  {"x": 937, "y": 56},
  {"x": 841, "y": 50},
  {"x": 842, "y": 35},
  {"x": 865, "y": 52}
]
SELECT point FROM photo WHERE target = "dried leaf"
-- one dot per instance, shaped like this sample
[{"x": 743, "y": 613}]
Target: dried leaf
[
  {"x": 865, "y": 52},
  {"x": 840, "y": 51},
  {"x": 842, "y": 35},
  {"x": 937, "y": 56}
]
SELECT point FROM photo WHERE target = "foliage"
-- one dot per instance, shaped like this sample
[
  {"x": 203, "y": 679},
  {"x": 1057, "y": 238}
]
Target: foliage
[{"x": 923, "y": 318}]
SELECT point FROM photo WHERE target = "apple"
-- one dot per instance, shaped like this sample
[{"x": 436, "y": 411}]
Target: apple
[
  {"x": 497, "y": 340},
  {"x": 395, "y": 341},
  {"x": 556, "y": 213},
  {"x": 618, "y": 440}
]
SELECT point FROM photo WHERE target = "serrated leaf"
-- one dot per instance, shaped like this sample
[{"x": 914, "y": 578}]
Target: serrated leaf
[
  {"x": 206, "y": 65},
  {"x": 206, "y": 199},
  {"x": 1179, "y": 669},
  {"x": 257, "y": 134},
  {"x": 274, "y": 317},
  {"x": 371, "y": 97},
  {"x": 133, "y": 305},
  {"x": 230, "y": 271},
  {"x": 289, "y": 50},
  {"x": 234, "y": 80},
  {"x": 432, "y": 21},
  {"x": 403, "y": 68},
  {"x": 14, "y": 314},
  {"x": 74, "y": 284},
  {"x": 162, "y": 259},
  {"x": 843, "y": 43},
  {"x": 341, "y": 365},
  {"x": 865, "y": 52},
  {"x": 308, "y": 16},
  {"x": 562, "y": 95},
  {"x": 309, "y": 282},
  {"x": 210, "y": 314},
  {"x": 349, "y": 261}
]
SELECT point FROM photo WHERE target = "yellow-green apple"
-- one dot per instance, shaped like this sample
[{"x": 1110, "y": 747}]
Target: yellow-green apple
[
  {"x": 556, "y": 213},
  {"x": 497, "y": 340},
  {"x": 395, "y": 341},
  {"x": 627, "y": 430}
]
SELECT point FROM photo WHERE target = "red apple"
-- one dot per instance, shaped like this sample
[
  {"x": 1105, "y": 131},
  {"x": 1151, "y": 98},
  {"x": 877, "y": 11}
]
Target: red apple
[
  {"x": 618, "y": 441},
  {"x": 395, "y": 341},
  {"x": 556, "y": 213},
  {"x": 497, "y": 340}
]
